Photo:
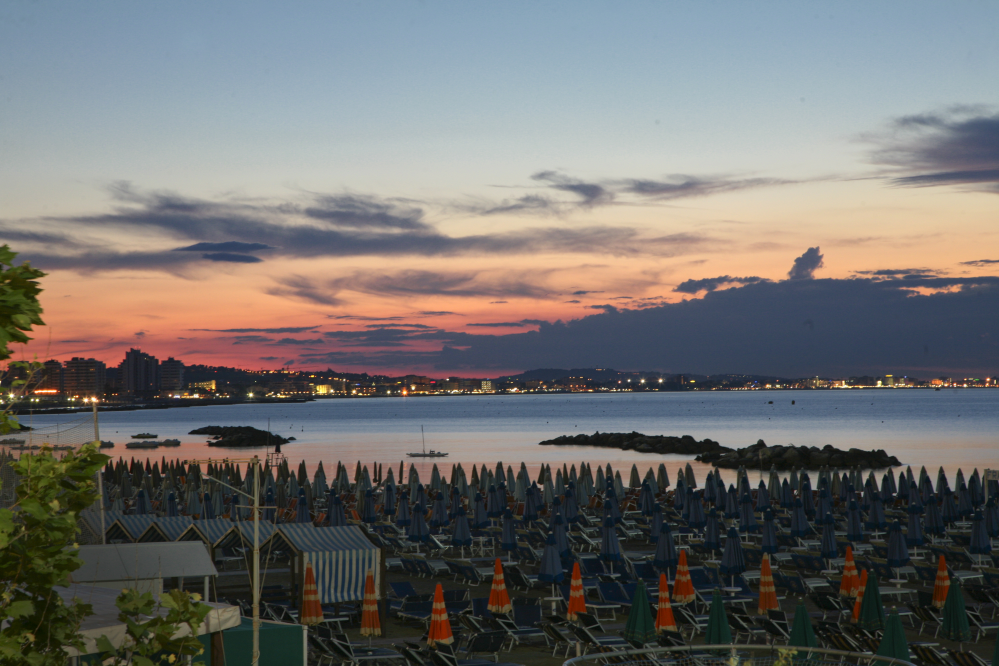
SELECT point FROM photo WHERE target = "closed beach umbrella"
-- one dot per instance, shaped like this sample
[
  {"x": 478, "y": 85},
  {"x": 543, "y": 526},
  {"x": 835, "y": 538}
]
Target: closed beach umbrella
[
  {"x": 561, "y": 539},
  {"x": 941, "y": 586},
  {"x": 371, "y": 625},
  {"x": 718, "y": 632},
  {"x": 335, "y": 515},
  {"x": 656, "y": 524},
  {"x": 650, "y": 478},
  {"x": 679, "y": 494},
  {"x": 499, "y": 598},
  {"x": 799, "y": 521},
  {"x": 302, "y": 508},
  {"x": 747, "y": 520},
  {"x": 948, "y": 508},
  {"x": 731, "y": 503},
  {"x": 807, "y": 499},
  {"x": 611, "y": 507},
  {"x": 311, "y": 611},
  {"x": 610, "y": 547},
  {"x": 683, "y": 587},
  {"x": 662, "y": 477},
  {"x": 860, "y": 594},
  {"x": 964, "y": 508},
  {"x": 551, "y": 564},
  {"x": 208, "y": 509},
  {"x": 508, "y": 535},
  {"x": 440, "y": 626},
  {"x": 802, "y": 633},
  {"x": 915, "y": 499},
  {"x": 914, "y": 531},
  {"x": 980, "y": 542},
  {"x": 665, "y": 558},
  {"x": 712, "y": 532},
  {"x": 710, "y": 489},
  {"x": 872, "y": 613},
  {"x": 849, "y": 584},
  {"x": 577, "y": 598},
  {"x": 762, "y": 497},
  {"x": 696, "y": 519},
  {"x": 733, "y": 562},
  {"x": 825, "y": 508},
  {"x": 171, "y": 506},
  {"x": 569, "y": 507},
  {"x": 954, "y": 626},
  {"x": 403, "y": 515},
  {"x": 368, "y": 514},
  {"x": 438, "y": 512},
  {"x": 420, "y": 499},
  {"x": 480, "y": 519},
  {"x": 455, "y": 503},
  {"x": 828, "y": 547},
  {"x": 641, "y": 626},
  {"x": 768, "y": 543},
  {"x": 417, "y": 532},
  {"x": 898, "y": 551},
  {"x": 388, "y": 498},
  {"x": 141, "y": 502},
  {"x": 688, "y": 473},
  {"x": 531, "y": 505},
  {"x": 461, "y": 534},
  {"x": 664, "y": 611},
  {"x": 646, "y": 500},
  {"x": 893, "y": 643},
  {"x": 933, "y": 523},
  {"x": 768, "y": 593},
  {"x": 876, "y": 520},
  {"x": 634, "y": 481}
]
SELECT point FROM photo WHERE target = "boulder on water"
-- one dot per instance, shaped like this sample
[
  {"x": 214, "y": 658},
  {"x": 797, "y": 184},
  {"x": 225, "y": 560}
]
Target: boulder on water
[
  {"x": 239, "y": 436},
  {"x": 636, "y": 441},
  {"x": 800, "y": 457}
]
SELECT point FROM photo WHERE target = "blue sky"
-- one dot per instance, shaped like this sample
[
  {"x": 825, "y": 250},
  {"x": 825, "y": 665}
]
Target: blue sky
[{"x": 453, "y": 107}]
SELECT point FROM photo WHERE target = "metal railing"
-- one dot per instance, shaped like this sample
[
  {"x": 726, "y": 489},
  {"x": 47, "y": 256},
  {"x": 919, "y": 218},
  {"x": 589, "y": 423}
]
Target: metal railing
[{"x": 734, "y": 655}]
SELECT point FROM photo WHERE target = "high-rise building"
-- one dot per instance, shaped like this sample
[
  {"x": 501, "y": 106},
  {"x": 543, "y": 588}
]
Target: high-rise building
[
  {"x": 84, "y": 378},
  {"x": 139, "y": 374},
  {"x": 50, "y": 382},
  {"x": 171, "y": 375}
]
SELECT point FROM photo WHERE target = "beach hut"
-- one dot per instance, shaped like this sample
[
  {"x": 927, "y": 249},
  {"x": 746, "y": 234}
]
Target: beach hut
[
  {"x": 128, "y": 528},
  {"x": 166, "y": 529},
  {"x": 143, "y": 566},
  {"x": 340, "y": 558}
]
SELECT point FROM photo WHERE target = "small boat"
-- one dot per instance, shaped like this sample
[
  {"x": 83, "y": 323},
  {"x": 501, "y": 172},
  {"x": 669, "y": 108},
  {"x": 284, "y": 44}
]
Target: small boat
[
  {"x": 142, "y": 445},
  {"x": 426, "y": 454},
  {"x": 145, "y": 435}
]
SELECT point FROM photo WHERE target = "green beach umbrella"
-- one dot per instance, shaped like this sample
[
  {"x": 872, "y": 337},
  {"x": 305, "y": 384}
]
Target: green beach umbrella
[
  {"x": 872, "y": 613},
  {"x": 995, "y": 655},
  {"x": 641, "y": 627},
  {"x": 718, "y": 631},
  {"x": 955, "y": 619},
  {"x": 802, "y": 634},
  {"x": 894, "y": 644}
]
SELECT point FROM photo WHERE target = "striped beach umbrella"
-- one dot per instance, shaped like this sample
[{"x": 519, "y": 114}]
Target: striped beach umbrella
[
  {"x": 577, "y": 597},
  {"x": 941, "y": 586},
  {"x": 312, "y": 611},
  {"x": 849, "y": 585},
  {"x": 860, "y": 594},
  {"x": 768, "y": 593},
  {"x": 440, "y": 625},
  {"x": 499, "y": 598},
  {"x": 664, "y": 611},
  {"x": 683, "y": 587},
  {"x": 371, "y": 625}
]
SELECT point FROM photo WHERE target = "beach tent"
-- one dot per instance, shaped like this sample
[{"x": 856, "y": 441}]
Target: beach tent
[
  {"x": 143, "y": 566},
  {"x": 165, "y": 529},
  {"x": 340, "y": 558},
  {"x": 128, "y": 528}
]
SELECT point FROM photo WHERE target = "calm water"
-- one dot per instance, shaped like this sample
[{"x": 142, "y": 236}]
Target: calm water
[{"x": 949, "y": 428}]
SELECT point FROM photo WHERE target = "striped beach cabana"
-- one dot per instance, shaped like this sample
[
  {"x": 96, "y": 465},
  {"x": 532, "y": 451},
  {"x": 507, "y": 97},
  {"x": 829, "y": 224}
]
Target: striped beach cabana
[
  {"x": 128, "y": 529},
  {"x": 166, "y": 529},
  {"x": 211, "y": 531},
  {"x": 340, "y": 557}
]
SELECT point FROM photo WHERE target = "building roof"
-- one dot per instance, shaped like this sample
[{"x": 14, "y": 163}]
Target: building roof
[
  {"x": 143, "y": 561},
  {"x": 304, "y": 538}
]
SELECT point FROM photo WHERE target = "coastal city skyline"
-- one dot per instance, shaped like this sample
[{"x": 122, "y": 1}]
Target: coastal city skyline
[{"x": 750, "y": 189}]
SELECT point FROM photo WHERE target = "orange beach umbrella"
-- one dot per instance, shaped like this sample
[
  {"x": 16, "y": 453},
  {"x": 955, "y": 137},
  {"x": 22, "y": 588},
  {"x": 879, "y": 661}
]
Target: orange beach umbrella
[
  {"x": 683, "y": 588},
  {"x": 312, "y": 611},
  {"x": 577, "y": 599},
  {"x": 371, "y": 625},
  {"x": 849, "y": 585},
  {"x": 860, "y": 595},
  {"x": 768, "y": 593},
  {"x": 440, "y": 626},
  {"x": 499, "y": 598},
  {"x": 941, "y": 586},
  {"x": 664, "y": 612}
]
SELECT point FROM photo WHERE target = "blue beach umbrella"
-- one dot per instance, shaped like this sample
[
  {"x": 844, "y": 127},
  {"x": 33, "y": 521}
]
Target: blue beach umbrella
[
  {"x": 799, "y": 521},
  {"x": 712, "y": 532},
  {"x": 551, "y": 564},
  {"x": 302, "y": 508},
  {"x": 561, "y": 539},
  {"x": 610, "y": 547},
  {"x": 171, "y": 505},
  {"x": 569, "y": 507},
  {"x": 948, "y": 508},
  {"x": 747, "y": 520},
  {"x": 531, "y": 504},
  {"x": 696, "y": 519},
  {"x": 720, "y": 492},
  {"x": 335, "y": 515},
  {"x": 508, "y": 535},
  {"x": 915, "y": 499},
  {"x": 762, "y": 497},
  {"x": 417, "y": 531},
  {"x": 403, "y": 515},
  {"x": 964, "y": 508},
  {"x": 455, "y": 503},
  {"x": 876, "y": 520},
  {"x": 494, "y": 507},
  {"x": 980, "y": 542},
  {"x": 480, "y": 519},
  {"x": 141, "y": 503},
  {"x": 844, "y": 489},
  {"x": 731, "y": 504},
  {"x": 655, "y": 524},
  {"x": 461, "y": 534},
  {"x": 388, "y": 500},
  {"x": 992, "y": 518},
  {"x": 235, "y": 512},
  {"x": 807, "y": 498},
  {"x": 828, "y": 547},
  {"x": 710, "y": 489},
  {"x": 733, "y": 562},
  {"x": 611, "y": 507},
  {"x": 679, "y": 494},
  {"x": 933, "y": 523},
  {"x": 825, "y": 507},
  {"x": 975, "y": 490},
  {"x": 914, "y": 531},
  {"x": 786, "y": 495},
  {"x": 666, "y": 558},
  {"x": 270, "y": 513},
  {"x": 646, "y": 501},
  {"x": 438, "y": 512},
  {"x": 887, "y": 496},
  {"x": 420, "y": 498},
  {"x": 769, "y": 542},
  {"x": 207, "y": 506},
  {"x": 367, "y": 512},
  {"x": 898, "y": 550}
]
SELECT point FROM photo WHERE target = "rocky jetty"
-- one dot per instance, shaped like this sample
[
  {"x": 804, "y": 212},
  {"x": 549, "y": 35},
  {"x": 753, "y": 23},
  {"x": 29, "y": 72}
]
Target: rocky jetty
[
  {"x": 797, "y": 457},
  {"x": 636, "y": 441},
  {"x": 239, "y": 436}
]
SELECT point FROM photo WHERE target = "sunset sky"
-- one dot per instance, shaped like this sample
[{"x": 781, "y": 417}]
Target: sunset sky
[{"x": 475, "y": 189}]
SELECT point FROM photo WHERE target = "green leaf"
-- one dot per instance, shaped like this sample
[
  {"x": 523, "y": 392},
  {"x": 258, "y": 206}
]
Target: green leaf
[{"x": 21, "y": 608}]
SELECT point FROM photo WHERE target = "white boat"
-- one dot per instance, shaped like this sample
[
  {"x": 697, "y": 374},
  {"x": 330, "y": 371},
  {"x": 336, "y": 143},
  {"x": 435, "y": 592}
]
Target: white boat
[{"x": 426, "y": 454}]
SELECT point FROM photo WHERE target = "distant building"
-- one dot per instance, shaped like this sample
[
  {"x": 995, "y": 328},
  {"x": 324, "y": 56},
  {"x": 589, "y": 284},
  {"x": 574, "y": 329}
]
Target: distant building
[
  {"x": 50, "y": 383},
  {"x": 486, "y": 385},
  {"x": 139, "y": 374},
  {"x": 202, "y": 386},
  {"x": 889, "y": 380},
  {"x": 84, "y": 378},
  {"x": 171, "y": 375}
]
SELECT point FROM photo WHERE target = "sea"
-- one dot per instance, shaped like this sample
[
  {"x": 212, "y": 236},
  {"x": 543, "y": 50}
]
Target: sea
[{"x": 950, "y": 428}]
